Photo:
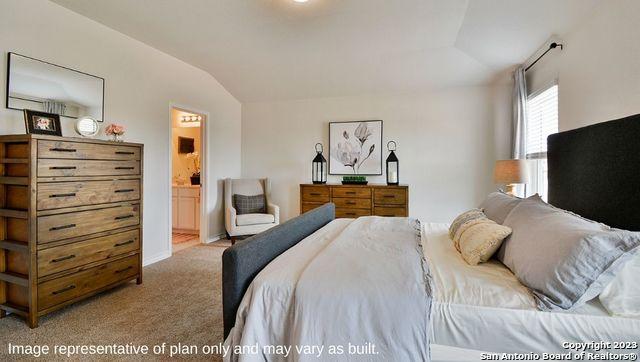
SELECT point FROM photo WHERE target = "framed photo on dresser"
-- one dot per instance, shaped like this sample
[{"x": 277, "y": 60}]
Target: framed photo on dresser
[
  {"x": 355, "y": 148},
  {"x": 42, "y": 123}
]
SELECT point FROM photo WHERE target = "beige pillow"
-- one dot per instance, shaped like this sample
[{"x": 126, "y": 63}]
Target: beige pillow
[
  {"x": 464, "y": 217},
  {"x": 477, "y": 240}
]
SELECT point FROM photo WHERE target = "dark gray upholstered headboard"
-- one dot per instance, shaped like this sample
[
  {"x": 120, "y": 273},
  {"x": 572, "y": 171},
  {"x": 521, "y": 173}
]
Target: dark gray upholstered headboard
[
  {"x": 594, "y": 171},
  {"x": 243, "y": 261}
]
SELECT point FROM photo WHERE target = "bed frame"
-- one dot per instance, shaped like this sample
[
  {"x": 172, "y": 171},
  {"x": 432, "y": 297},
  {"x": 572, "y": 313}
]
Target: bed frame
[
  {"x": 243, "y": 261},
  {"x": 594, "y": 171}
]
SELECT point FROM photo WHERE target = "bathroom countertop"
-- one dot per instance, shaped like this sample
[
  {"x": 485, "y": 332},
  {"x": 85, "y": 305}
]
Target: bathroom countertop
[{"x": 187, "y": 186}]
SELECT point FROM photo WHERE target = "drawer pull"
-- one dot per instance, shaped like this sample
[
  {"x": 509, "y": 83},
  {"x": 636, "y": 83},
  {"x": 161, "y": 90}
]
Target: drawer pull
[
  {"x": 123, "y": 217},
  {"x": 389, "y": 196},
  {"x": 57, "y": 149},
  {"x": 350, "y": 203},
  {"x": 350, "y": 213},
  {"x": 63, "y": 258},
  {"x": 71, "y": 194},
  {"x": 124, "y": 190},
  {"x": 62, "y": 227},
  {"x": 124, "y": 168},
  {"x": 350, "y": 192},
  {"x": 124, "y": 243},
  {"x": 62, "y": 168},
  {"x": 124, "y": 153},
  {"x": 315, "y": 194},
  {"x": 71, "y": 287},
  {"x": 124, "y": 270}
]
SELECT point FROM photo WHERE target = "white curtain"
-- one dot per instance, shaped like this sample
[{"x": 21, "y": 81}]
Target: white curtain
[
  {"x": 51, "y": 106},
  {"x": 518, "y": 144}
]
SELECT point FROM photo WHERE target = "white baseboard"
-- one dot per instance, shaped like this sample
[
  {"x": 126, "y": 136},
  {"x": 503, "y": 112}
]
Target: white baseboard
[
  {"x": 215, "y": 238},
  {"x": 156, "y": 258},
  {"x": 167, "y": 254}
]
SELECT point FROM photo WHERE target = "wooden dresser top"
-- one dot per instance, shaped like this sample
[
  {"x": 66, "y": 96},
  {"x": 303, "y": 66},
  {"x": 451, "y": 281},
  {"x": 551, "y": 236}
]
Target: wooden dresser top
[
  {"x": 25, "y": 137},
  {"x": 341, "y": 185}
]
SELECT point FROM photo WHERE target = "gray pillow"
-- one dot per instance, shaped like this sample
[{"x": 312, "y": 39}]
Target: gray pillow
[
  {"x": 564, "y": 259},
  {"x": 498, "y": 205},
  {"x": 249, "y": 204}
]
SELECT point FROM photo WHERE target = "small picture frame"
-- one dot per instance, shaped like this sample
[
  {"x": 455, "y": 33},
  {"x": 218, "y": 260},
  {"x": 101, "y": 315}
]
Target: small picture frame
[{"x": 42, "y": 123}]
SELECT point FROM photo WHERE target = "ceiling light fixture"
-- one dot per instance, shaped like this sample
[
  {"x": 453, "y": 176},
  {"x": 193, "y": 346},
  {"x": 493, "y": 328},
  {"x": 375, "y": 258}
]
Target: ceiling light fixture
[{"x": 301, "y": 1}]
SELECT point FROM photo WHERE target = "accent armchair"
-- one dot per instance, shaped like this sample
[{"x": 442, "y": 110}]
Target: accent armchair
[{"x": 248, "y": 224}]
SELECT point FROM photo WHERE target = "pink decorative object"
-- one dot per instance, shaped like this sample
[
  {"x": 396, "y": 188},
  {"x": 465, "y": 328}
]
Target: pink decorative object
[{"x": 115, "y": 130}]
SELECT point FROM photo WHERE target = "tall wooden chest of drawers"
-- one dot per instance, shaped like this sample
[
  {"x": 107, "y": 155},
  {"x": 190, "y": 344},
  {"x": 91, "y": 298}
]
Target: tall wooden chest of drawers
[
  {"x": 357, "y": 200},
  {"x": 70, "y": 221}
]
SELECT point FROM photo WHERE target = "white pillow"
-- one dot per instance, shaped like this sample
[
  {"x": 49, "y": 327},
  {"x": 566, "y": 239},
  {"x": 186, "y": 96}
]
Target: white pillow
[{"x": 621, "y": 298}]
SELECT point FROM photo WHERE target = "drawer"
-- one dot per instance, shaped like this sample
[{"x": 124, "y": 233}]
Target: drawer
[
  {"x": 69, "y": 256},
  {"x": 68, "y": 194},
  {"x": 56, "y": 291},
  {"x": 351, "y": 213},
  {"x": 73, "y": 224},
  {"x": 358, "y": 192},
  {"x": 308, "y": 207},
  {"x": 390, "y": 196},
  {"x": 86, "y": 151},
  {"x": 390, "y": 211},
  {"x": 315, "y": 194},
  {"x": 352, "y": 203},
  {"x": 53, "y": 167}
]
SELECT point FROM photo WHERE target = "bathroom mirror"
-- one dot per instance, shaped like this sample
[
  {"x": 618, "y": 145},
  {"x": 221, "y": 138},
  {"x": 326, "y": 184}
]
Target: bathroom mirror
[{"x": 37, "y": 85}]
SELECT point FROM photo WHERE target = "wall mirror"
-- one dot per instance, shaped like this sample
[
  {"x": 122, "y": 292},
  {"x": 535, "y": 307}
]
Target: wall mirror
[{"x": 45, "y": 87}]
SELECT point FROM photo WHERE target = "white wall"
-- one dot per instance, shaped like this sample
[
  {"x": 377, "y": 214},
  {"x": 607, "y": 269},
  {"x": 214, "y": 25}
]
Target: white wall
[
  {"x": 141, "y": 83},
  {"x": 597, "y": 72},
  {"x": 446, "y": 144}
]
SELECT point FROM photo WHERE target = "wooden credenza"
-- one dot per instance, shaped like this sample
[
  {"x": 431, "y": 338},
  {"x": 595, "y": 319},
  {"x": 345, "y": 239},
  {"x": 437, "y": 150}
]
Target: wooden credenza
[
  {"x": 70, "y": 221},
  {"x": 357, "y": 200}
]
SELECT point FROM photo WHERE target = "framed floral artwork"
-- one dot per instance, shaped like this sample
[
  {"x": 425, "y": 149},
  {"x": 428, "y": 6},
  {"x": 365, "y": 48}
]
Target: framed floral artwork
[{"x": 355, "y": 148}]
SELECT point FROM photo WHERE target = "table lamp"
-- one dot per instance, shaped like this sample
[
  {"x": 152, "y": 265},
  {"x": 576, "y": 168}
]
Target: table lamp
[{"x": 510, "y": 173}]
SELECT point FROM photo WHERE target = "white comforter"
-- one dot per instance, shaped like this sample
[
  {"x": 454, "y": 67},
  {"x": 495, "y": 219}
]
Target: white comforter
[{"x": 354, "y": 290}]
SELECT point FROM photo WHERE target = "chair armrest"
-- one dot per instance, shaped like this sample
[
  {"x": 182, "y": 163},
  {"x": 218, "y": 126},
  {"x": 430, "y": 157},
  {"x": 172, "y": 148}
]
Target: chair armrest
[
  {"x": 230, "y": 219},
  {"x": 275, "y": 211}
]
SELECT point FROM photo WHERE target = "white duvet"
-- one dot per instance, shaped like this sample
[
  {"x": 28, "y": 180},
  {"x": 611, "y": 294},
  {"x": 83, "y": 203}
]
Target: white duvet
[{"x": 353, "y": 290}]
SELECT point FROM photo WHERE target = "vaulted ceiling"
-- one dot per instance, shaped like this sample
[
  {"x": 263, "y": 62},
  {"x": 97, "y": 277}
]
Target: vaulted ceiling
[{"x": 263, "y": 50}]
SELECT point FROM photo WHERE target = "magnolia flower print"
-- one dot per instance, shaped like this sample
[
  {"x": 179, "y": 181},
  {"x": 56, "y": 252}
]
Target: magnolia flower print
[
  {"x": 347, "y": 154},
  {"x": 353, "y": 153},
  {"x": 362, "y": 133}
]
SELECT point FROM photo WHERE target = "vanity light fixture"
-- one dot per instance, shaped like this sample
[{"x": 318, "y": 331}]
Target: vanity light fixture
[
  {"x": 190, "y": 120},
  {"x": 301, "y": 1}
]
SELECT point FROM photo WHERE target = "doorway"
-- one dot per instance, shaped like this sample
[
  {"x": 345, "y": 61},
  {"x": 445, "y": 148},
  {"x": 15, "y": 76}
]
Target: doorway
[{"x": 187, "y": 178}]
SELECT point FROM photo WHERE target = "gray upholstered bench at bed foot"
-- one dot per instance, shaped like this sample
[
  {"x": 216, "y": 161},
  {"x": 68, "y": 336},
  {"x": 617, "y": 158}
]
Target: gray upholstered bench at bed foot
[{"x": 244, "y": 260}]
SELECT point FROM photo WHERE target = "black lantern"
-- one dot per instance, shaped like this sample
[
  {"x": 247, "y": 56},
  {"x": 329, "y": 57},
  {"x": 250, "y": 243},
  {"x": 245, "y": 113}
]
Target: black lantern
[
  {"x": 319, "y": 167},
  {"x": 393, "y": 169}
]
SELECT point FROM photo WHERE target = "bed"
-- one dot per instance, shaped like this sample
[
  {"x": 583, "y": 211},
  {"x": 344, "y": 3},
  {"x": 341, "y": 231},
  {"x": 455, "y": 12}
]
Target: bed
[{"x": 462, "y": 303}]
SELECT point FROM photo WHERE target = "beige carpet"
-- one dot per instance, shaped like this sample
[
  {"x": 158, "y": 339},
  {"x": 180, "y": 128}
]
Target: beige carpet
[{"x": 179, "y": 302}]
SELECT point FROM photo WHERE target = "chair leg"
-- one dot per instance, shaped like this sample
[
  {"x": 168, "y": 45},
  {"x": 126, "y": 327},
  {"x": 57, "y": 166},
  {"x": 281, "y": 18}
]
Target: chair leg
[{"x": 233, "y": 240}]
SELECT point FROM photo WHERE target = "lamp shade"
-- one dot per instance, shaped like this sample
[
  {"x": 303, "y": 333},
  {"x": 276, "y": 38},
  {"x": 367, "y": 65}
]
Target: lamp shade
[{"x": 511, "y": 172}]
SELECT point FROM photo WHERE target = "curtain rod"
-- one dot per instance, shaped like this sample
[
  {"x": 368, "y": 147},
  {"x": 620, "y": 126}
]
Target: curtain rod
[{"x": 551, "y": 46}]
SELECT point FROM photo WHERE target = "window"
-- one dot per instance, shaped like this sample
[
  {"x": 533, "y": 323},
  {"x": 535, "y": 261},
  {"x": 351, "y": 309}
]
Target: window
[{"x": 542, "y": 120}]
